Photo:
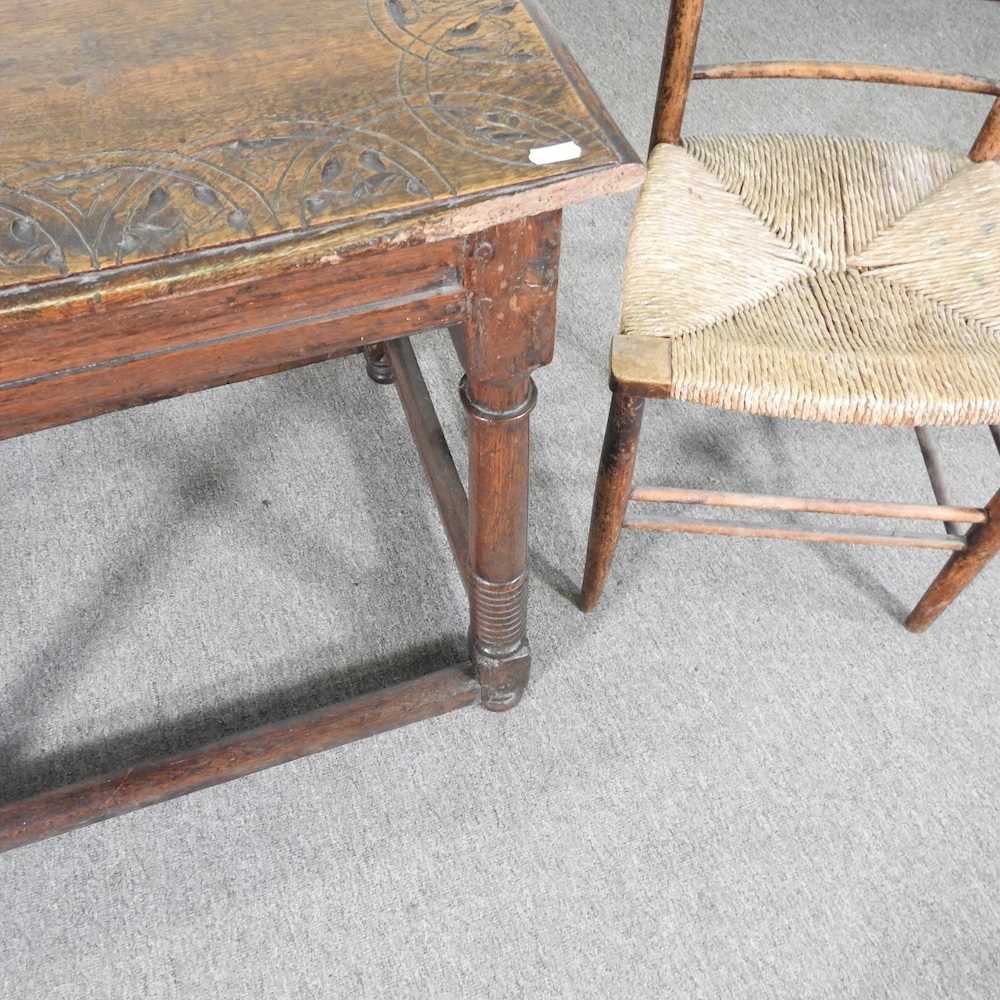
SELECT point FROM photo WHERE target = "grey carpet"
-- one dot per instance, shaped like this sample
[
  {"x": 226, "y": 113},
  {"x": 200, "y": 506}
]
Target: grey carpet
[{"x": 740, "y": 778}]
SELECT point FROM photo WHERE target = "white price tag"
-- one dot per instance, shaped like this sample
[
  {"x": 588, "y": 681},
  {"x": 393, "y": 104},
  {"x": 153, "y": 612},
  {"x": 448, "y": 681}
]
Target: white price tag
[{"x": 555, "y": 154}]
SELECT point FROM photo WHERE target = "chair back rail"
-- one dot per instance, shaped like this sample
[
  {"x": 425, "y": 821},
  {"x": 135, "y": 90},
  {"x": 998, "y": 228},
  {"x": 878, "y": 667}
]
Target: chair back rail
[{"x": 679, "y": 70}]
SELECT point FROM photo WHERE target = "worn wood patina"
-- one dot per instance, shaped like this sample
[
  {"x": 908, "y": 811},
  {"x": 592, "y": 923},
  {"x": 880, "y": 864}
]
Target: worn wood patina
[
  {"x": 194, "y": 193},
  {"x": 178, "y": 126}
]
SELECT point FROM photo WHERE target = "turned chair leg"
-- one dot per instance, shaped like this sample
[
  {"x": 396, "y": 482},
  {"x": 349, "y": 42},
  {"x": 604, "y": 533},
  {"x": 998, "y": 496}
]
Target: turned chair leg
[
  {"x": 982, "y": 544},
  {"x": 614, "y": 484},
  {"x": 378, "y": 365}
]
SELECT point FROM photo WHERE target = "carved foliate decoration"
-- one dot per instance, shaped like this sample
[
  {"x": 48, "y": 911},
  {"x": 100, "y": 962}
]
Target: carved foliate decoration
[{"x": 460, "y": 83}]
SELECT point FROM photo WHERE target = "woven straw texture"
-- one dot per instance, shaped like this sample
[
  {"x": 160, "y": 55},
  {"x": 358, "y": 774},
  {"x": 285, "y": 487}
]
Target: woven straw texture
[{"x": 821, "y": 278}]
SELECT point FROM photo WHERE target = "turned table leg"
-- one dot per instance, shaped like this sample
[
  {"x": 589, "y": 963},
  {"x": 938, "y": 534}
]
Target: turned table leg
[
  {"x": 512, "y": 274},
  {"x": 498, "y": 526}
]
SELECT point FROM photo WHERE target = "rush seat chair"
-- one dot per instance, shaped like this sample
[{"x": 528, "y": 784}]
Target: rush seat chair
[{"x": 815, "y": 278}]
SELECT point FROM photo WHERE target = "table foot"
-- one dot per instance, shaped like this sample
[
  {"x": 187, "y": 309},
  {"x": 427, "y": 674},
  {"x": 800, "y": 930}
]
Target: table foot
[
  {"x": 503, "y": 678},
  {"x": 378, "y": 365}
]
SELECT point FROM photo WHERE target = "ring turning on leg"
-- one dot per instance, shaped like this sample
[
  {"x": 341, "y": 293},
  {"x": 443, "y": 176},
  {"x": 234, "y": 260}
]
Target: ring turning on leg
[{"x": 498, "y": 488}]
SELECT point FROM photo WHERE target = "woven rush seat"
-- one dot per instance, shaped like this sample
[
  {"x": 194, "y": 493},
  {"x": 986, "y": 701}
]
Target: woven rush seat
[
  {"x": 817, "y": 278},
  {"x": 820, "y": 278}
]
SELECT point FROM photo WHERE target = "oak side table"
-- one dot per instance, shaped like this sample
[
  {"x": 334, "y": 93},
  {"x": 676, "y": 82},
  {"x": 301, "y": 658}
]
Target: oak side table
[{"x": 194, "y": 193}]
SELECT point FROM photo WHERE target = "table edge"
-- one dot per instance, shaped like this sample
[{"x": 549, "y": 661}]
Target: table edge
[
  {"x": 214, "y": 267},
  {"x": 581, "y": 84}
]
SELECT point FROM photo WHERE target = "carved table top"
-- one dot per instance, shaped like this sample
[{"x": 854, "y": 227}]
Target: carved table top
[{"x": 160, "y": 128}]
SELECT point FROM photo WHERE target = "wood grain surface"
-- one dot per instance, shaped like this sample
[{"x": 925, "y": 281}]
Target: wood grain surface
[
  {"x": 153, "y": 130},
  {"x": 57, "y": 370},
  {"x": 196, "y": 192}
]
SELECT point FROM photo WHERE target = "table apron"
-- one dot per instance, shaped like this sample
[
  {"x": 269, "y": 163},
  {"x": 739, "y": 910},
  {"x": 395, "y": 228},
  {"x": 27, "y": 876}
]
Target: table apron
[{"x": 56, "y": 371}]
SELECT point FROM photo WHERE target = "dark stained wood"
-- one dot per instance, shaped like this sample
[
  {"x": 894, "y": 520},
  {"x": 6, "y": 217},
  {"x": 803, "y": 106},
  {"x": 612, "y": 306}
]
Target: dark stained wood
[
  {"x": 614, "y": 484},
  {"x": 675, "y": 76},
  {"x": 55, "y": 368},
  {"x": 75, "y": 393},
  {"x": 512, "y": 273},
  {"x": 192, "y": 194},
  {"x": 34, "y": 346},
  {"x": 66, "y": 400},
  {"x": 432, "y": 446},
  {"x": 498, "y": 580},
  {"x": 907, "y": 76},
  {"x": 987, "y": 144},
  {"x": 151, "y": 782},
  {"x": 982, "y": 544},
  {"x": 737, "y": 529},
  {"x": 272, "y": 294}
]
